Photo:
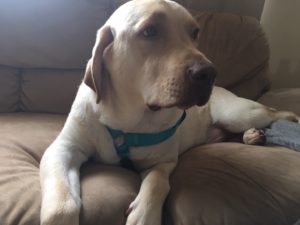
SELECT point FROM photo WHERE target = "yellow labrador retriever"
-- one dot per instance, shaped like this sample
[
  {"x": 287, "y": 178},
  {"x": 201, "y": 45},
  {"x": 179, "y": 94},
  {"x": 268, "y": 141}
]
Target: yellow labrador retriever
[{"x": 148, "y": 95}]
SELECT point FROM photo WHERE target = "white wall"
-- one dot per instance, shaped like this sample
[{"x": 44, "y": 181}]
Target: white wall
[{"x": 281, "y": 22}]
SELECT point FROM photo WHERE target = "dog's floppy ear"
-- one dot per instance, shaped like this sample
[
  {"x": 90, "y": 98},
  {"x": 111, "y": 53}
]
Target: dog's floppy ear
[{"x": 94, "y": 69}]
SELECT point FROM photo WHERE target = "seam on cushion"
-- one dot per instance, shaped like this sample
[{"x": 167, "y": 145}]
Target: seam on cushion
[
  {"x": 19, "y": 77},
  {"x": 16, "y": 74},
  {"x": 23, "y": 96}
]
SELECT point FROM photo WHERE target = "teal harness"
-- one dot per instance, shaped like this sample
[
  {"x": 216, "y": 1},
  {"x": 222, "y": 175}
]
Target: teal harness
[{"x": 123, "y": 141}]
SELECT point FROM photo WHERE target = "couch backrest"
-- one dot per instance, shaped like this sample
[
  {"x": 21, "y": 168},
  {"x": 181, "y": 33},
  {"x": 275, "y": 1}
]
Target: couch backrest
[
  {"x": 60, "y": 33},
  {"x": 44, "y": 47}
]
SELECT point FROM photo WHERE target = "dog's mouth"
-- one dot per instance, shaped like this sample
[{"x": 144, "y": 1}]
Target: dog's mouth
[
  {"x": 154, "y": 107},
  {"x": 183, "y": 103}
]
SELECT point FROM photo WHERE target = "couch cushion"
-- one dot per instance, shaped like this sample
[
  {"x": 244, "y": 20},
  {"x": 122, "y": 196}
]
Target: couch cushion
[
  {"x": 239, "y": 49},
  {"x": 49, "y": 91},
  {"x": 283, "y": 99},
  {"x": 24, "y": 137},
  {"x": 9, "y": 90},
  {"x": 218, "y": 184},
  {"x": 50, "y": 34},
  {"x": 235, "y": 184}
]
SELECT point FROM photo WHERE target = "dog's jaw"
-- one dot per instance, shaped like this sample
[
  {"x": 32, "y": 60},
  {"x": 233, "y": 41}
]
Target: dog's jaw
[{"x": 183, "y": 101}]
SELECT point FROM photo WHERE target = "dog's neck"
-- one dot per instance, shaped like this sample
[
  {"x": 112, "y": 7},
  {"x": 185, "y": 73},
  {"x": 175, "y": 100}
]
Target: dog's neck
[
  {"x": 136, "y": 117},
  {"x": 123, "y": 114},
  {"x": 128, "y": 111},
  {"x": 123, "y": 141}
]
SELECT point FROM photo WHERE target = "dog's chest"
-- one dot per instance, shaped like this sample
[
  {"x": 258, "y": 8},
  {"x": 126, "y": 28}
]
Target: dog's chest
[
  {"x": 192, "y": 132},
  {"x": 143, "y": 157}
]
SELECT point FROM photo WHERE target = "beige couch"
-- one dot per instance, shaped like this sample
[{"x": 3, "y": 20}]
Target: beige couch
[{"x": 44, "y": 46}]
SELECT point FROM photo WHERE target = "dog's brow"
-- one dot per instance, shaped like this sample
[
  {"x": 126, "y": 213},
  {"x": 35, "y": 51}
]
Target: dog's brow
[{"x": 154, "y": 17}]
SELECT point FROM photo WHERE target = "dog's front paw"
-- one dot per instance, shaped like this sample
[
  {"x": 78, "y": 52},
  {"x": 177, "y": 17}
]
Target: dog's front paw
[
  {"x": 143, "y": 214},
  {"x": 63, "y": 213},
  {"x": 286, "y": 115}
]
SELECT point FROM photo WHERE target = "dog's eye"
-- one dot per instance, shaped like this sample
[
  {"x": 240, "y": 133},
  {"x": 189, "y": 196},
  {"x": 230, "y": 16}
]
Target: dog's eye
[
  {"x": 195, "y": 33},
  {"x": 150, "y": 32}
]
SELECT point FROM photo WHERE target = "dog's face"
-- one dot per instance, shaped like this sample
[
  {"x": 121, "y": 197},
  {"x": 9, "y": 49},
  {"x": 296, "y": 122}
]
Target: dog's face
[{"x": 148, "y": 49}]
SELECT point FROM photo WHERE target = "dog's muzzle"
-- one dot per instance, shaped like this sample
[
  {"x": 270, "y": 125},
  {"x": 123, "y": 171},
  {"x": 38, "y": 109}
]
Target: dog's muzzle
[
  {"x": 200, "y": 78},
  {"x": 194, "y": 87}
]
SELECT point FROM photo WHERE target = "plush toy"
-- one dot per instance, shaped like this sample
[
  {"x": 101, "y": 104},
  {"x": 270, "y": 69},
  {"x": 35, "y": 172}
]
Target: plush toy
[{"x": 282, "y": 132}]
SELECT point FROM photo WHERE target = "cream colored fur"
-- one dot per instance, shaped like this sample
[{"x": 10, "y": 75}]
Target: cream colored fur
[{"x": 127, "y": 74}]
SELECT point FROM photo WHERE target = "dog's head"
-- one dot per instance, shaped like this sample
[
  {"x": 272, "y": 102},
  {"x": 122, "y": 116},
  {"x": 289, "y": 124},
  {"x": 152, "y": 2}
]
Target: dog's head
[{"x": 147, "y": 52}]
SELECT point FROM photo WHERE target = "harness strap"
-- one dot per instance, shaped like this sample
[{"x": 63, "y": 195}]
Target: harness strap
[{"x": 123, "y": 141}]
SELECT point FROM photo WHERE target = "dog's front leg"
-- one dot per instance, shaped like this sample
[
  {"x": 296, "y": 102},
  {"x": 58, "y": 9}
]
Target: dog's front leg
[
  {"x": 146, "y": 209},
  {"x": 59, "y": 174},
  {"x": 237, "y": 114}
]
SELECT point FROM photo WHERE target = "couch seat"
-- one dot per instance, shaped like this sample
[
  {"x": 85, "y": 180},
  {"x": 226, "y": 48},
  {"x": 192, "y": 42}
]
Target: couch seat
[{"x": 224, "y": 183}]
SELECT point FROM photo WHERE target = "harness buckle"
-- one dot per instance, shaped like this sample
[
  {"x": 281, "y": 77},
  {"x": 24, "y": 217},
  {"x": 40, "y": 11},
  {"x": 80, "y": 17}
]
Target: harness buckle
[{"x": 119, "y": 141}]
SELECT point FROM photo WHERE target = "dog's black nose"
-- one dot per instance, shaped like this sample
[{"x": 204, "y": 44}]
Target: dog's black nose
[{"x": 200, "y": 72}]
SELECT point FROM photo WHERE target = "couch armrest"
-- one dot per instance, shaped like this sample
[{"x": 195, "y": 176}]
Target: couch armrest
[
  {"x": 239, "y": 49},
  {"x": 283, "y": 99}
]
